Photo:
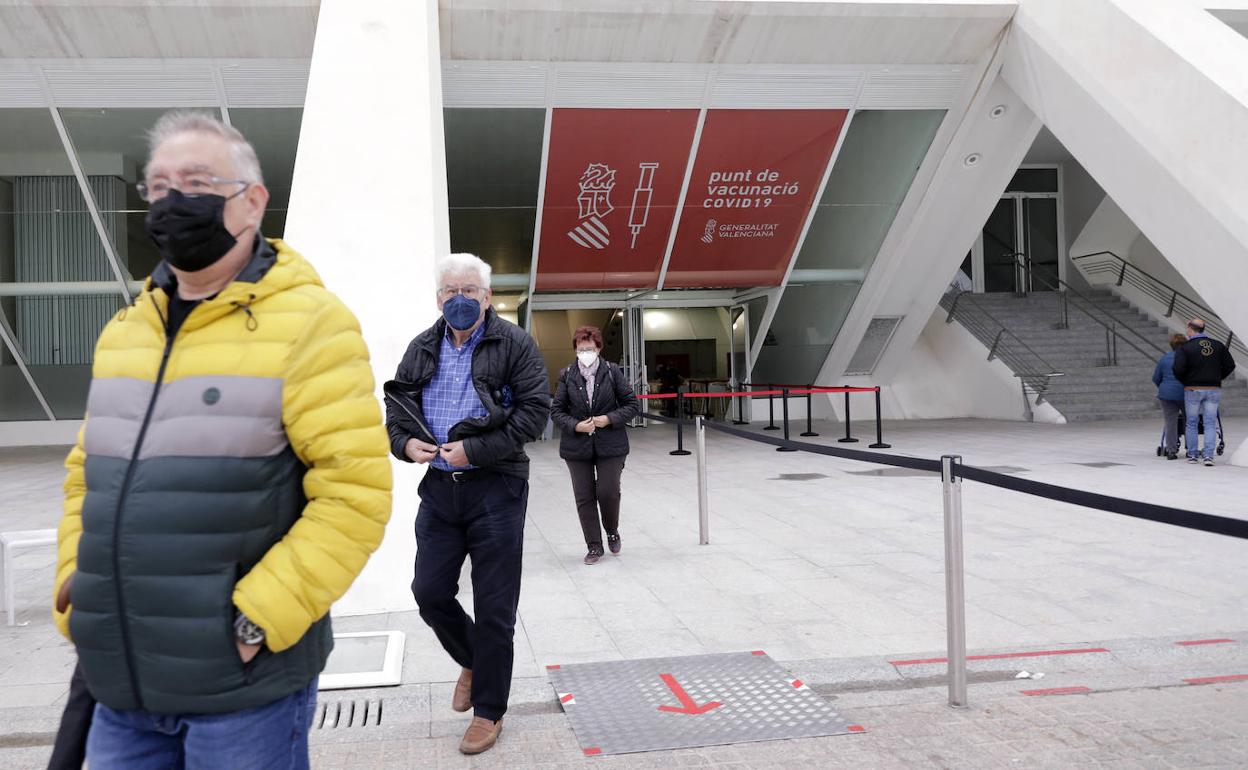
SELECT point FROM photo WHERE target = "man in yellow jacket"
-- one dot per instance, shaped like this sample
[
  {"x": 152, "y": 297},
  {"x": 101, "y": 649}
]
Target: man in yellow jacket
[{"x": 229, "y": 484}]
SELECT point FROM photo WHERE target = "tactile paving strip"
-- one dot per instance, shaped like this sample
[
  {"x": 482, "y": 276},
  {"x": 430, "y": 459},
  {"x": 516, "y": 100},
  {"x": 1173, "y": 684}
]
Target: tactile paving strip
[{"x": 626, "y": 706}]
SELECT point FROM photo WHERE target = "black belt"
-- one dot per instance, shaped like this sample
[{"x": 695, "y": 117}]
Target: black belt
[{"x": 460, "y": 477}]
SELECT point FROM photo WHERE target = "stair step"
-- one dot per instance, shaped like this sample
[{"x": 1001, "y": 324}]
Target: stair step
[{"x": 1090, "y": 389}]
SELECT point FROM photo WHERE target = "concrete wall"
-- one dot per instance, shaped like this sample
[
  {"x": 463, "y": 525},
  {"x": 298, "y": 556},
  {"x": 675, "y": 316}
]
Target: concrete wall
[{"x": 947, "y": 374}]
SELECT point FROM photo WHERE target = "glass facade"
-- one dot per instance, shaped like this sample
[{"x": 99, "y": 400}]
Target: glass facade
[
  {"x": 879, "y": 158},
  {"x": 274, "y": 132},
  {"x": 493, "y": 172},
  {"x": 58, "y": 285}
]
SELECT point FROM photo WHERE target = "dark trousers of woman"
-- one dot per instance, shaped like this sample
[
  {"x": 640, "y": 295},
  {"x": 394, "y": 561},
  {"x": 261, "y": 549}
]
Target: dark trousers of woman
[{"x": 596, "y": 485}]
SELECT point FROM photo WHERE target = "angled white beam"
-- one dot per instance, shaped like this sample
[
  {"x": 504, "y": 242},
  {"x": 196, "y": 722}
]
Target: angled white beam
[
  {"x": 377, "y": 257},
  {"x": 537, "y": 220},
  {"x": 684, "y": 191},
  {"x": 975, "y": 152},
  {"x": 88, "y": 196},
  {"x": 10, "y": 342}
]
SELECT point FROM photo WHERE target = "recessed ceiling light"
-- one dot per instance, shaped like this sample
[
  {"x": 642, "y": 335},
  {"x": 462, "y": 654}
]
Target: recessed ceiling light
[
  {"x": 998, "y": 111},
  {"x": 972, "y": 159}
]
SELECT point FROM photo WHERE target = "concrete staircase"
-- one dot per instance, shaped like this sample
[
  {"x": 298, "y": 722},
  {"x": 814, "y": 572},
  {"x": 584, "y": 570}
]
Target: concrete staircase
[{"x": 1090, "y": 389}]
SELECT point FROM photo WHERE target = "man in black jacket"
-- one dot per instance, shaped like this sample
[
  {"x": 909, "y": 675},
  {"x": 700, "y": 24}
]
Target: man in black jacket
[
  {"x": 469, "y": 394},
  {"x": 1201, "y": 364}
]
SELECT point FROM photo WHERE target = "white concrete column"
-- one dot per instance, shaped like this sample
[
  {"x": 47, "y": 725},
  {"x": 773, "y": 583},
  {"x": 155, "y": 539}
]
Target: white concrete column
[{"x": 369, "y": 209}]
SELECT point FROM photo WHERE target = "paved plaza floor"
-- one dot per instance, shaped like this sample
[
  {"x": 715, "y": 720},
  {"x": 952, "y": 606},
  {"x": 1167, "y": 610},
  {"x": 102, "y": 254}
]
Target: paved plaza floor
[{"x": 834, "y": 568}]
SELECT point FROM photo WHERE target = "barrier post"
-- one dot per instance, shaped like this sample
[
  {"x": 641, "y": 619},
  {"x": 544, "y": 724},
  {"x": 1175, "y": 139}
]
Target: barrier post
[
  {"x": 785, "y": 401},
  {"x": 955, "y": 598},
  {"x": 699, "y": 443},
  {"x": 745, "y": 388},
  {"x": 849, "y": 439},
  {"x": 810, "y": 428},
  {"x": 771, "y": 409},
  {"x": 879, "y": 424},
  {"x": 680, "y": 450}
]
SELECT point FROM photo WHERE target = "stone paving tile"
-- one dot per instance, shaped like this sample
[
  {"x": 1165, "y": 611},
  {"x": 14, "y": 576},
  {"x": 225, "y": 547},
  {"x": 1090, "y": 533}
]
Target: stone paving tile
[{"x": 1188, "y": 727}]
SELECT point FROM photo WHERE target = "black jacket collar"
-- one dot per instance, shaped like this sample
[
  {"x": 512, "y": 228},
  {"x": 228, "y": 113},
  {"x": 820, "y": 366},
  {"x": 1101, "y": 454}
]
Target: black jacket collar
[{"x": 263, "y": 258}]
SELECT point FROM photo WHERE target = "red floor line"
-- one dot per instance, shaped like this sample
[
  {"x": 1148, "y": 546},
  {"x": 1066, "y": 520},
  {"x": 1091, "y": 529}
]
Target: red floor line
[
  {"x": 1195, "y": 642},
  {"x": 593, "y": 751},
  {"x": 1058, "y": 691},
  {"x": 1215, "y": 679},
  {"x": 857, "y": 729},
  {"x": 1001, "y": 656}
]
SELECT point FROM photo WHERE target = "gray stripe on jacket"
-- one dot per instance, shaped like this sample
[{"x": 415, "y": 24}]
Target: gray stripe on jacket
[{"x": 208, "y": 416}]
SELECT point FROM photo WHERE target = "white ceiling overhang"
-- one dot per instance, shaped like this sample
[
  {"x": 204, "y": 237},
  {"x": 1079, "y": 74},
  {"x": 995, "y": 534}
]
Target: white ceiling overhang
[
  {"x": 725, "y": 32},
  {"x": 158, "y": 29}
]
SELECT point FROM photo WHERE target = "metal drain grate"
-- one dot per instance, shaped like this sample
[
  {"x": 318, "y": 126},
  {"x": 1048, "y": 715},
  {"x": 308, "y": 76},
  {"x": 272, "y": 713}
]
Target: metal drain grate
[
  {"x": 799, "y": 476},
  {"x": 350, "y": 713}
]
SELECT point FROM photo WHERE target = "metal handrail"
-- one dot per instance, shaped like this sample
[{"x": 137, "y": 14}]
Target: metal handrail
[
  {"x": 1013, "y": 352},
  {"x": 1154, "y": 288},
  {"x": 1112, "y": 333}
]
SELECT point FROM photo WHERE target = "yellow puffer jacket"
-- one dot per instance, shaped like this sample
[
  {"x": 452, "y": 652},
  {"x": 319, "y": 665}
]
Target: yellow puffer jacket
[{"x": 243, "y": 464}]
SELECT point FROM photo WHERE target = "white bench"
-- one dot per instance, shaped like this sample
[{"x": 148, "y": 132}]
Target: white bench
[{"x": 10, "y": 544}]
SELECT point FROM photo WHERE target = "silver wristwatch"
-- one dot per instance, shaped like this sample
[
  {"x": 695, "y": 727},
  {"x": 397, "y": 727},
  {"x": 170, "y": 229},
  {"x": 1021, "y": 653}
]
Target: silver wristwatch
[{"x": 246, "y": 631}]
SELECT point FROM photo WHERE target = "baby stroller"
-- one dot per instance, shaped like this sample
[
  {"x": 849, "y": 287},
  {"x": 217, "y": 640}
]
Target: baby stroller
[{"x": 1200, "y": 428}]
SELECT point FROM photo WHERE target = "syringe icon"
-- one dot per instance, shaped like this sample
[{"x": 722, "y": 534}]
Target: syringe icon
[{"x": 640, "y": 213}]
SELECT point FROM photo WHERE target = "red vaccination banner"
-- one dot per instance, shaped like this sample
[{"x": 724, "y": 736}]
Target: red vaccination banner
[
  {"x": 613, "y": 180},
  {"x": 754, "y": 180}
]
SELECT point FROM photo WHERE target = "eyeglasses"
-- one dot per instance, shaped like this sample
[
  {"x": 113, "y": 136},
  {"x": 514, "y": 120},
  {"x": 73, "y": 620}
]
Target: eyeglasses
[
  {"x": 470, "y": 291},
  {"x": 192, "y": 186}
]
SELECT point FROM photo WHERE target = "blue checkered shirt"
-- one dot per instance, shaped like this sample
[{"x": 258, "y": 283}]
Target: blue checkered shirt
[{"x": 450, "y": 397}]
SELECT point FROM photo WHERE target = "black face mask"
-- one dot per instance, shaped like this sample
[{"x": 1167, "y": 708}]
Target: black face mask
[{"x": 190, "y": 231}]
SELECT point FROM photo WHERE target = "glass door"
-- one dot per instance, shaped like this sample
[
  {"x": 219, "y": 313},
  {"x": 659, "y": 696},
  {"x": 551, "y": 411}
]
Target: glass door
[
  {"x": 1040, "y": 242},
  {"x": 1000, "y": 245}
]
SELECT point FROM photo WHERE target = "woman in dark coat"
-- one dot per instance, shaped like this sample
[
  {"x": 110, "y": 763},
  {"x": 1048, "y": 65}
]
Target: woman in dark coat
[{"x": 593, "y": 404}]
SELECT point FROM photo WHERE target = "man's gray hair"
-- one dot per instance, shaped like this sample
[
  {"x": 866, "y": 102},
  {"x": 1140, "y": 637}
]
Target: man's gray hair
[
  {"x": 247, "y": 165},
  {"x": 457, "y": 264}
]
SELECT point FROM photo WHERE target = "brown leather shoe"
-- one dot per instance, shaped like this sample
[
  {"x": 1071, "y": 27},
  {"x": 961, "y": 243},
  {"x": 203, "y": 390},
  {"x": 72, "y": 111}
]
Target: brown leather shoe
[
  {"x": 461, "y": 701},
  {"x": 482, "y": 735}
]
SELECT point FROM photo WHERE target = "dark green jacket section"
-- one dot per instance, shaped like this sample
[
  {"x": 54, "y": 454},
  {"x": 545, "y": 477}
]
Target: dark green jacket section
[{"x": 187, "y": 537}]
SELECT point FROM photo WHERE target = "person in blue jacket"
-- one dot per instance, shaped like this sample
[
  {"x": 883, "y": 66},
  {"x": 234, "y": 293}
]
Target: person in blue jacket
[{"x": 1170, "y": 394}]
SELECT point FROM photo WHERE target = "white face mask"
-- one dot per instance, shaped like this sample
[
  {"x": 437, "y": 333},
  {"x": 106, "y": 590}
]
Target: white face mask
[{"x": 587, "y": 358}]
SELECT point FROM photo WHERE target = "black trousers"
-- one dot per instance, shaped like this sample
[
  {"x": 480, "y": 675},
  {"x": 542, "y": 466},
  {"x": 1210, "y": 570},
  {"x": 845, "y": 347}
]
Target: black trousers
[
  {"x": 482, "y": 518},
  {"x": 70, "y": 749},
  {"x": 596, "y": 485}
]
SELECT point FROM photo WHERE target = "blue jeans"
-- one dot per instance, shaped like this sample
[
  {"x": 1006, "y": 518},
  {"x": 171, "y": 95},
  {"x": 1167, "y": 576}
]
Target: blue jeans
[
  {"x": 1198, "y": 403},
  {"x": 269, "y": 737}
]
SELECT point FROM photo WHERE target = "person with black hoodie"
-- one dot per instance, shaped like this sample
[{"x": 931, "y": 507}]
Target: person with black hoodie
[{"x": 1201, "y": 364}]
